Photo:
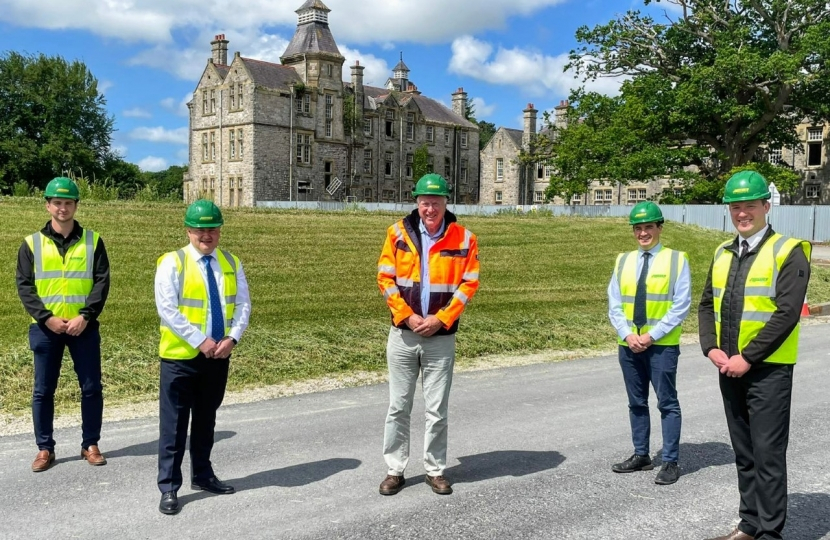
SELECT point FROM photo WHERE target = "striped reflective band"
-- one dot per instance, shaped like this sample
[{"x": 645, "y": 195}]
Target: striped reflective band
[
  {"x": 757, "y": 316},
  {"x": 37, "y": 251},
  {"x": 460, "y": 296},
  {"x": 435, "y": 288},
  {"x": 650, "y": 297},
  {"x": 469, "y": 276},
  {"x": 390, "y": 291},
  {"x": 386, "y": 269},
  {"x": 58, "y": 298},
  {"x": 403, "y": 282}
]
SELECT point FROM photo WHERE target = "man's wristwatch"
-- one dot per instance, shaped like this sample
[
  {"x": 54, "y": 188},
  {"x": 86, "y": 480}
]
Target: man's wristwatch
[{"x": 232, "y": 339}]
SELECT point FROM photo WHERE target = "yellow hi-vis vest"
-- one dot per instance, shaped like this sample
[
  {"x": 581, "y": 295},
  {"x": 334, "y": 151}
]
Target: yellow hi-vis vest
[
  {"x": 63, "y": 283},
  {"x": 663, "y": 272},
  {"x": 194, "y": 301},
  {"x": 759, "y": 292}
]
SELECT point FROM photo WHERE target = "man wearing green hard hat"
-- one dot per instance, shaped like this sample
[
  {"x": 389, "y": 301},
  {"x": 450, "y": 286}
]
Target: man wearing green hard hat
[
  {"x": 427, "y": 272},
  {"x": 749, "y": 324},
  {"x": 63, "y": 279},
  {"x": 649, "y": 296},
  {"x": 203, "y": 301}
]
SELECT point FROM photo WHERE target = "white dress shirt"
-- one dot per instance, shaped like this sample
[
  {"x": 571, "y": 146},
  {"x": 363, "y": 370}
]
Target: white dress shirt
[
  {"x": 753, "y": 240},
  {"x": 681, "y": 300},
  {"x": 167, "y": 289}
]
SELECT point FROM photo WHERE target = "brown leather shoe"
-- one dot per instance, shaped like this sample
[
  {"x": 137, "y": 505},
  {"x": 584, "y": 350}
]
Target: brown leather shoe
[
  {"x": 93, "y": 456},
  {"x": 43, "y": 461},
  {"x": 439, "y": 485},
  {"x": 737, "y": 534},
  {"x": 391, "y": 484}
]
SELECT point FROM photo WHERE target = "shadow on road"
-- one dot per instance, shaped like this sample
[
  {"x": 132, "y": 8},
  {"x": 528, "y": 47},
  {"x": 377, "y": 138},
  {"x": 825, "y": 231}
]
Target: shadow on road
[
  {"x": 499, "y": 463},
  {"x": 696, "y": 456},
  {"x": 807, "y": 516},
  {"x": 295, "y": 475},
  {"x": 152, "y": 448}
]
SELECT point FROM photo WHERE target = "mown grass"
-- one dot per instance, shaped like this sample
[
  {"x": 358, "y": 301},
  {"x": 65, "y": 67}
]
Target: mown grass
[{"x": 316, "y": 307}]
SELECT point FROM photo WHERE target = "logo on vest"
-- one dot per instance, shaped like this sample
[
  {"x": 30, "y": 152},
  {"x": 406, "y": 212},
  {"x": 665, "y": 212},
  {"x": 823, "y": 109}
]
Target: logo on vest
[{"x": 758, "y": 279}]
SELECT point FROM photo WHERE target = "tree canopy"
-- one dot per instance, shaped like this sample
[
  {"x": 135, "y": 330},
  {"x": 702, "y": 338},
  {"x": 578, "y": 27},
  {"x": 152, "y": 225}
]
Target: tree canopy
[
  {"x": 52, "y": 120},
  {"x": 707, "y": 88}
]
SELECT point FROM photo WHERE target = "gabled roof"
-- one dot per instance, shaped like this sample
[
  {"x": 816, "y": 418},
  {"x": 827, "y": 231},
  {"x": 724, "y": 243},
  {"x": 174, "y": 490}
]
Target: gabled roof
[
  {"x": 270, "y": 75},
  {"x": 432, "y": 110},
  {"x": 515, "y": 135},
  {"x": 223, "y": 70}
]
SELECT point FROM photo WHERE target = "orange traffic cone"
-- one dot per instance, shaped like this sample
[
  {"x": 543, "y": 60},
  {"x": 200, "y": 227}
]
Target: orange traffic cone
[{"x": 805, "y": 309}]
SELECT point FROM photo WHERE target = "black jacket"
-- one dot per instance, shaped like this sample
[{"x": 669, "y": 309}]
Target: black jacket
[
  {"x": 26, "y": 275},
  {"x": 791, "y": 289}
]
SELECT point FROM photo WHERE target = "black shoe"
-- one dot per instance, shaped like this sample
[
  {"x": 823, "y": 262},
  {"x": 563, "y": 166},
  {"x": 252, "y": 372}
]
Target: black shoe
[
  {"x": 214, "y": 485},
  {"x": 632, "y": 464},
  {"x": 669, "y": 473},
  {"x": 169, "y": 503}
]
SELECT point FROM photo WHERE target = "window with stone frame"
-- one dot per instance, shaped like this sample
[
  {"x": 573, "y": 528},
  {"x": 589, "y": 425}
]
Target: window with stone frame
[
  {"x": 548, "y": 171},
  {"x": 539, "y": 197},
  {"x": 367, "y": 160},
  {"x": 240, "y": 147},
  {"x": 410, "y": 159},
  {"x": 390, "y": 123},
  {"x": 232, "y": 100},
  {"x": 328, "y": 112},
  {"x": 499, "y": 169},
  {"x": 367, "y": 127},
  {"x": 303, "y": 103},
  {"x": 463, "y": 138},
  {"x": 446, "y": 136},
  {"x": 303, "y": 186},
  {"x": 774, "y": 155},
  {"x": 430, "y": 134},
  {"x": 367, "y": 194},
  {"x": 576, "y": 198},
  {"x": 463, "y": 172},
  {"x": 232, "y": 144},
  {"x": 328, "y": 173},
  {"x": 212, "y": 189},
  {"x": 303, "y": 148},
  {"x": 205, "y": 147},
  {"x": 812, "y": 191},
  {"x": 231, "y": 189},
  {"x": 212, "y": 101},
  {"x": 389, "y": 195},
  {"x": 204, "y": 102},
  {"x": 387, "y": 170},
  {"x": 430, "y": 163},
  {"x": 239, "y": 95},
  {"x": 204, "y": 187},
  {"x": 238, "y": 191},
  {"x": 814, "y": 144},
  {"x": 447, "y": 168},
  {"x": 498, "y": 197},
  {"x": 410, "y": 126},
  {"x": 603, "y": 195},
  {"x": 213, "y": 146}
]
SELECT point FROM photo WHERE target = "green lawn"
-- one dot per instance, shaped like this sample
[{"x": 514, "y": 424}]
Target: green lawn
[{"x": 316, "y": 306}]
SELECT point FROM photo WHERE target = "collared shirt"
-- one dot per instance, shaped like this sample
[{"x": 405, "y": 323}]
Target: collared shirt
[
  {"x": 753, "y": 240},
  {"x": 681, "y": 300},
  {"x": 167, "y": 298},
  {"x": 427, "y": 241}
]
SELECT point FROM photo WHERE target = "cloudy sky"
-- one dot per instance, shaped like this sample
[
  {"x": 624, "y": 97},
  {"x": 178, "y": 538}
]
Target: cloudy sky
[{"x": 149, "y": 54}]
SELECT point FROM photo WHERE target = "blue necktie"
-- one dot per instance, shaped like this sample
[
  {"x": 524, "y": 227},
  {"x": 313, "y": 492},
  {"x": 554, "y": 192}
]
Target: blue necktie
[
  {"x": 640, "y": 317},
  {"x": 217, "y": 321}
]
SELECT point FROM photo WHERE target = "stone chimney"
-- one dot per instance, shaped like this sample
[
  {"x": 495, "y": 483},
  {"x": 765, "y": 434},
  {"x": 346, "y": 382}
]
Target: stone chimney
[
  {"x": 219, "y": 50},
  {"x": 560, "y": 114},
  {"x": 529, "y": 131},
  {"x": 357, "y": 86},
  {"x": 357, "y": 77},
  {"x": 459, "y": 103}
]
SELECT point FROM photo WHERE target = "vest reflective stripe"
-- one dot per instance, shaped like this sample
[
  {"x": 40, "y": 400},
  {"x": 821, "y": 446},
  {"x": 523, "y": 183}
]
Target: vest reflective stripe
[
  {"x": 193, "y": 301},
  {"x": 663, "y": 272},
  {"x": 759, "y": 292},
  {"x": 63, "y": 283}
]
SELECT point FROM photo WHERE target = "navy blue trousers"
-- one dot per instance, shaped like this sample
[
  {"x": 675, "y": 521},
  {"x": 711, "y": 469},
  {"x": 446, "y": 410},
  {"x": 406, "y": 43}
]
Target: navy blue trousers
[
  {"x": 85, "y": 351},
  {"x": 656, "y": 365},
  {"x": 188, "y": 387}
]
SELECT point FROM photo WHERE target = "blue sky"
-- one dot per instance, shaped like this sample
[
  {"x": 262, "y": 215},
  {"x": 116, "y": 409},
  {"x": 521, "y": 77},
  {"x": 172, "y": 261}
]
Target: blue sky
[{"x": 148, "y": 54}]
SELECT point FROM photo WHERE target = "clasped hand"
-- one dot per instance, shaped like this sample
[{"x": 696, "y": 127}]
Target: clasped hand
[
  {"x": 212, "y": 349},
  {"x": 639, "y": 343},
  {"x": 424, "y": 326},
  {"x": 731, "y": 366}
]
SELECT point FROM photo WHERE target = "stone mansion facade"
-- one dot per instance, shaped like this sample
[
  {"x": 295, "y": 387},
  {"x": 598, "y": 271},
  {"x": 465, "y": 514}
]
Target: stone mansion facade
[{"x": 261, "y": 131}]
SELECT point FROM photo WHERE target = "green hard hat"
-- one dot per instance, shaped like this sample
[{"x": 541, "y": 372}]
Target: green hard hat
[
  {"x": 431, "y": 184},
  {"x": 203, "y": 214},
  {"x": 645, "y": 212},
  {"x": 746, "y": 186},
  {"x": 61, "y": 188}
]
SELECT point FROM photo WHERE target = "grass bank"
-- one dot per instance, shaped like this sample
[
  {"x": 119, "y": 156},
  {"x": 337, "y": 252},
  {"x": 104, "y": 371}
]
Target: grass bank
[{"x": 316, "y": 306}]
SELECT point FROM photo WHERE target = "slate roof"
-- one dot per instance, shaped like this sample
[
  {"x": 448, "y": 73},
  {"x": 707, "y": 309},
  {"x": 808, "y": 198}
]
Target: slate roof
[
  {"x": 313, "y": 4},
  {"x": 400, "y": 66},
  {"x": 515, "y": 135},
  {"x": 270, "y": 75},
  {"x": 432, "y": 110},
  {"x": 223, "y": 70},
  {"x": 313, "y": 37}
]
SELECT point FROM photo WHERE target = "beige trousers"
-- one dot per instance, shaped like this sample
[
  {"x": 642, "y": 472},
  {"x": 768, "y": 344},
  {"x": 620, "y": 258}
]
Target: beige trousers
[{"x": 407, "y": 354}]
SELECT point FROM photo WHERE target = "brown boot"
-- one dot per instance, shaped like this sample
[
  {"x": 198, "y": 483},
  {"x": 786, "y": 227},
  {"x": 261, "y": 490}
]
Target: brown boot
[
  {"x": 93, "y": 456},
  {"x": 392, "y": 484},
  {"x": 43, "y": 461},
  {"x": 737, "y": 534},
  {"x": 439, "y": 485}
]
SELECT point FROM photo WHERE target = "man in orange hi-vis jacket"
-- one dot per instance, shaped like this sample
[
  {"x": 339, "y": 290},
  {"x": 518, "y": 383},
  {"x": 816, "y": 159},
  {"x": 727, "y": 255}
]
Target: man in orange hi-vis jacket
[{"x": 427, "y": 272}]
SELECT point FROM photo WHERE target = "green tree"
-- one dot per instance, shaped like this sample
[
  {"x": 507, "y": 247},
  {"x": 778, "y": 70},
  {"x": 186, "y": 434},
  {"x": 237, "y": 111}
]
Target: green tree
[
  {"x": 708, "y": 88},
  {"x": 167, "y": 183},
  {"x": 486, "y": 130},
  {"x": 52, "y": 120},
  {"x": 420, "y": 162}
]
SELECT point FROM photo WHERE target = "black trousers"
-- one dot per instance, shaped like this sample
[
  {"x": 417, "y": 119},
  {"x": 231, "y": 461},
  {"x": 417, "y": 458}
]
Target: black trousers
[
  {"x": 757, "y": 409},
  {"x": 85, "y": 350},
  {"x": 194, "y": 386}
]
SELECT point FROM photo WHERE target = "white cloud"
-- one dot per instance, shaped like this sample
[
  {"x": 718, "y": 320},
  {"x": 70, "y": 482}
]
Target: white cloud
[
  {"x": 104, "y": 85},
  {"x": 534, "y": 72},
  {"x": 137, "y": 112},
  {"x": 177, "y": 107},
  {"x": 152, "y": 163},
  {"x": 119, "y": 149},
  {"x": 377, "y": 70},
  {"x": 482, "y": 110},
  {"x": 160, "y": 134},
  {"x": 183, "y": 156}
]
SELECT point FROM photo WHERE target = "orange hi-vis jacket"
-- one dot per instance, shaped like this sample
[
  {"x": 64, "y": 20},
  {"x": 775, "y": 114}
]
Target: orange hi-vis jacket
[{"x": 453, "y": 271}]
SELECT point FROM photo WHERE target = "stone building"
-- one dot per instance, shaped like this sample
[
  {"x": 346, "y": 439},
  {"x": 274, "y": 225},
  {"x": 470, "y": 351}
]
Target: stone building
[
  {"x": 261, "y": 131},
  {"x": 809, "y": 157}
]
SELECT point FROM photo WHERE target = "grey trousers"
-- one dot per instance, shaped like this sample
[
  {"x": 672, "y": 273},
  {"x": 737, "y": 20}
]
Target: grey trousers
[{"x": 407, "y": 354}]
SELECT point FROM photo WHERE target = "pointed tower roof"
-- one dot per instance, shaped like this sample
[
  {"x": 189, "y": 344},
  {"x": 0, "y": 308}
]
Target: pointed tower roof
[
  {"x": 401, "y": 66},
  {"x": 312, "y": 34}
]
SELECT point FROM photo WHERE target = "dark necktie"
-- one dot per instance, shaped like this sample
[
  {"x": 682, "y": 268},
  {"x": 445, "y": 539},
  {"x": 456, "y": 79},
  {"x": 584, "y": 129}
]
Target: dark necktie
[
  {"x": 640, "y": 318},
  {"x": 217, "y": 321},
  {"x": 744, "y": 248}
]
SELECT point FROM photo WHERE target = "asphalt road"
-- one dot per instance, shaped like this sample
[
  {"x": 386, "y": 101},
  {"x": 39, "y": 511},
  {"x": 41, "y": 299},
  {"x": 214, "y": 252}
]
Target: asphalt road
[{"x": 530, "y": 451}]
